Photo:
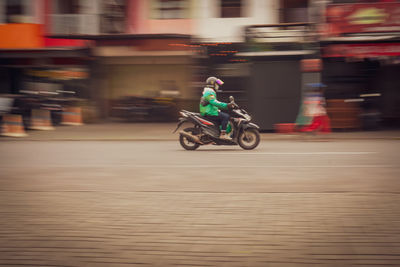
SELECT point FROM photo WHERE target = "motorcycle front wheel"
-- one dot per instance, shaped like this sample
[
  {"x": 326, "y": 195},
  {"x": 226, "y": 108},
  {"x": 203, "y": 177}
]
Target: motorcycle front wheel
[
  {"x": 185, "y": 142},
  {"x": 249, "y": 139}
]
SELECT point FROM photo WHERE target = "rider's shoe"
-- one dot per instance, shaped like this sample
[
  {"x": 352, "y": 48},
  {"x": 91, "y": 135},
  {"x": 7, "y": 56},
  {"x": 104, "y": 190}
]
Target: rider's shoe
[{"x": 225, "y": 136}]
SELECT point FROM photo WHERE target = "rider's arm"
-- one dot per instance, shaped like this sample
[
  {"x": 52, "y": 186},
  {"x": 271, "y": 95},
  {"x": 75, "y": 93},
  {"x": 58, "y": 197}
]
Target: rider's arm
[{"x": 213, "y": 101}]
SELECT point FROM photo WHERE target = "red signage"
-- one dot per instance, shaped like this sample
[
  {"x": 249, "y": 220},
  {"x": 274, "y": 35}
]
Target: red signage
[
  {"x": 311, "y": 65},
  {"x": 362, "y": 50},
  {"x": 359, "y": 18}
]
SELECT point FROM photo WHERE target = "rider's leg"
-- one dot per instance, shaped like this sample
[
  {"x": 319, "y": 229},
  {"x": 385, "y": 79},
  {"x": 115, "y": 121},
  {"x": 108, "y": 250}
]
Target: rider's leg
[
  {"x": 224, "y": 118},
  {"x": 213, "y": 119}
]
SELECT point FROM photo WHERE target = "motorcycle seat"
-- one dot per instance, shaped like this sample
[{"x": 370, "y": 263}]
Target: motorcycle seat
[
  {"x": 193, "y": 113},
  {"x": 202, "y": 117}
]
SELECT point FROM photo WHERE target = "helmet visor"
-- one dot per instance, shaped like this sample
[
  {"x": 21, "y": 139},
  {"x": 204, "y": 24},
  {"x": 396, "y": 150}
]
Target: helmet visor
[{"x": 219, "y": 82}]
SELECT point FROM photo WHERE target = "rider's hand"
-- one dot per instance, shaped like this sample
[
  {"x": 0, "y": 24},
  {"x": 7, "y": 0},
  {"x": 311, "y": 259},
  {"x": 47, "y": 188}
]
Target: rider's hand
[{"x": 231, "y": 106}]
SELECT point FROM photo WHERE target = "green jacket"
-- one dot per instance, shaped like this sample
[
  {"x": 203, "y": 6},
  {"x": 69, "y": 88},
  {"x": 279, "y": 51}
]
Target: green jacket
[{"x": 209, "y": 105}]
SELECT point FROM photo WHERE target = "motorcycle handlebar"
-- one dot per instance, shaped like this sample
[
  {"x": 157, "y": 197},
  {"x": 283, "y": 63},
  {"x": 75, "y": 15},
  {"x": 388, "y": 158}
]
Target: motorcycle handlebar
[{"x": 235, "y": 106}]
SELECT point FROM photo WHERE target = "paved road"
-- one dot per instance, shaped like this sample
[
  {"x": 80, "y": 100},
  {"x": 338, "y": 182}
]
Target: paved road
[{"x": 288, "y": 203}]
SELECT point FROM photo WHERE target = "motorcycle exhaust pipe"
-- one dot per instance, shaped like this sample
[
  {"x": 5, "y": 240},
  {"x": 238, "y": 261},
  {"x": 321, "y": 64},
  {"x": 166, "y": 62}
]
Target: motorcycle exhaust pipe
[{"x": 191, "y": 137}]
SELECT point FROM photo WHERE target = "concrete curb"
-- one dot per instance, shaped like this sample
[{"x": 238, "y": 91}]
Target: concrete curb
[
  {"x": 143, "y": 132},
  {"x": 286, "y": 138}
]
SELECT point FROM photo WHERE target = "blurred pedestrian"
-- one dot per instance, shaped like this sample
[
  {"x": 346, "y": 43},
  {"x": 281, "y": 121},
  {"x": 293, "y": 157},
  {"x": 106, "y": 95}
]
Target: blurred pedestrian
[
  {"x": 314, "y": 112},
  {"x": 302, "y": 120}
]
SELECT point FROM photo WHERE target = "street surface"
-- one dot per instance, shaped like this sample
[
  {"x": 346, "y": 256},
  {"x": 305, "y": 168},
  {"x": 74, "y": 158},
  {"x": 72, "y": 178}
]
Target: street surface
[{"x": 127, "y": 203}]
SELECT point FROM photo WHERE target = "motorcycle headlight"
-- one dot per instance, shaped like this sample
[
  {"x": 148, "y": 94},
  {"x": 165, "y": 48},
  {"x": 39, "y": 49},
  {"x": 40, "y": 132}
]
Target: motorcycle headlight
[{"x": 182, "y": 114}]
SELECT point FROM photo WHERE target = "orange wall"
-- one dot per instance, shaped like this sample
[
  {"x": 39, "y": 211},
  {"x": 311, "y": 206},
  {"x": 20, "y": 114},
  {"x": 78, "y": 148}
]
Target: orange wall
[
  {"x": 21, "y": 36},
  {"x": 181, "y": 26},
  {"x": 140, "y": 21}
]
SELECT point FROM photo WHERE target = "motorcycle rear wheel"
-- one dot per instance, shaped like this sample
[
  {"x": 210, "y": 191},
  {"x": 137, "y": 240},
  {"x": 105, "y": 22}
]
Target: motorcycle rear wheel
[
  {"x": 249, "y": 139},
  {"x": 185, "y": 142}
]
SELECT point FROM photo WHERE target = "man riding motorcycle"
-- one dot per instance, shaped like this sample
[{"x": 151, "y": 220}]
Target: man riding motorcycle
[{"x": 209, "y": 105}]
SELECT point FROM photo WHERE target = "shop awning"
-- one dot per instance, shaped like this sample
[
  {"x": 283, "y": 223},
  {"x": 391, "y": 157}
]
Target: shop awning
[
  {"x": 275, "y": 53},
  {"x": 120, "y": 36},
  {"x": 44, "y": 52},
  {"x": 126, "y": 51}
]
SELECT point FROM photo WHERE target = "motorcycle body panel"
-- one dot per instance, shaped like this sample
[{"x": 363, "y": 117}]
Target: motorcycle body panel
[{"x": 251, "y": 125}]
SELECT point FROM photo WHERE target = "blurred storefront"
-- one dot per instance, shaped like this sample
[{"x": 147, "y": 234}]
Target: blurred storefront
[
  {"x": 37, "y": 71},
  {"x": 38, "y": 76},
  {"x": 55, "y": 69},
  {"x": 23, "y": 48},
  {"x": 360, "y": 47},
  {"x": 138, "y": 73},
  {"x": 47, "y": 78},
  {"x": 282, "y": 59}
]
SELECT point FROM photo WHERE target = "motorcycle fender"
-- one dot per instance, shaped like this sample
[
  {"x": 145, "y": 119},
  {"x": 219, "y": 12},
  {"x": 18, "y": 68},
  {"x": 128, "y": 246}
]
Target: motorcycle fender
[
  {"x": 180, "y": 122},
  {"x": 250, "y": 125}
]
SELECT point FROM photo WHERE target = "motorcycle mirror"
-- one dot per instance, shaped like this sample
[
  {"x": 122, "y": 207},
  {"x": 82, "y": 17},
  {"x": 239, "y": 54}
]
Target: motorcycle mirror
[{"x": 231, "y": 99}]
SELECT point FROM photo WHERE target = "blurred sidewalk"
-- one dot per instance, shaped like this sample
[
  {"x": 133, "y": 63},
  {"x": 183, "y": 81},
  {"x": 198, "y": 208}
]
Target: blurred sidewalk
[{"x": 113, "y": 131}]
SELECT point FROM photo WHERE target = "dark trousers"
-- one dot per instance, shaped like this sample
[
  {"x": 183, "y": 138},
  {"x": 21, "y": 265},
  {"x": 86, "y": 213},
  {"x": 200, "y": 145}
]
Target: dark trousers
[{"x": 222, "y": 119}]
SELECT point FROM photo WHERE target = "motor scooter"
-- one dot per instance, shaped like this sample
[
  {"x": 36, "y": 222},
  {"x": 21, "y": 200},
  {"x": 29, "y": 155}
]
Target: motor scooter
[{"x": 241, "y": 130}]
